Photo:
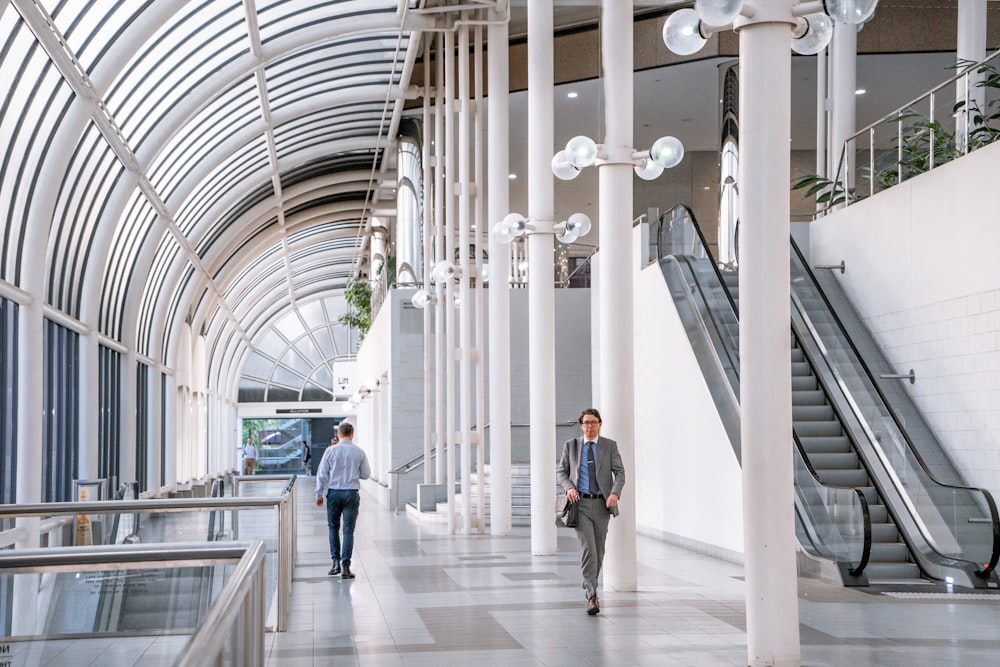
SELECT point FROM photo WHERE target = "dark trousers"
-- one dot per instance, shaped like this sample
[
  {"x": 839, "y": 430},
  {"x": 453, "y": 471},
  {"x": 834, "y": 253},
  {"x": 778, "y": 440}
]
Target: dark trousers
[
  {"x": 592, "y": 519},
  {"x": 342, "y": 504}
]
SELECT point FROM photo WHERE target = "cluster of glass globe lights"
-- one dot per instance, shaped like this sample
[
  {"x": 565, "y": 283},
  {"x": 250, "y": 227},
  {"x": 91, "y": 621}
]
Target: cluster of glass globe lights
[
  {"x": 580, "y": 152},
  {"x": 687, "y": 30}
]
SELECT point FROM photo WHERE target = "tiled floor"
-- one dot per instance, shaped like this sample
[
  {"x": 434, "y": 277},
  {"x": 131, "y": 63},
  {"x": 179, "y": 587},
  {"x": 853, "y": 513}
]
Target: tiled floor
[{"x": 424, "y": 598}]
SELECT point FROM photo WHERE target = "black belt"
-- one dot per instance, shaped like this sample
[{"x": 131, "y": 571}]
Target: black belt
[{"x": 591, "y": 495}]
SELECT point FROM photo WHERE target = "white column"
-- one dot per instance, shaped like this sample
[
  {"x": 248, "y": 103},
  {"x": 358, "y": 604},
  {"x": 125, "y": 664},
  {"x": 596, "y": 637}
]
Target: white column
[
  {"x": 464, "y": 293},
  {"x": 449, "y": 288},
  {"x": 617, "y": 376},
  {"x": 843, "y": 84},
  {"x": 766, "y": 431},
  {"x": 971, "y": 46},
  {"x": 440, "y": 353},
  {"x": 156, "y": 418},
  {"x": 88, "y": 466},
  {"x": 127, "y": 459},
  {"x": 425, "y": 278},
  {"x": 480, "y": 238},
  {"x": 821, "y": 115},
  {"x": 498, "y": 149},
  {"x": 541, "y": 287}
]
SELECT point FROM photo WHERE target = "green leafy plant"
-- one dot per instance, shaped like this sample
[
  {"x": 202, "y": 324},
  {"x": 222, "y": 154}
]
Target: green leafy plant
[
  {"x": 920, "y": 144},
  {"x": 358, "y": 295},
  {"x": 826, "y": 190}
]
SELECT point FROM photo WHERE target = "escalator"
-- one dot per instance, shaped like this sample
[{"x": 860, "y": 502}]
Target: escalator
[{"x": 867, "y": 497}]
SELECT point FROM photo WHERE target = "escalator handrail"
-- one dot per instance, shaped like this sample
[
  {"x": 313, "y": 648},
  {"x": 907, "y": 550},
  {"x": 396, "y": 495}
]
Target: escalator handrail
[
  {"x": 803, "y": 455},
  {"x": 867, "y": 551},
  {"x": 911, "y": 448}
]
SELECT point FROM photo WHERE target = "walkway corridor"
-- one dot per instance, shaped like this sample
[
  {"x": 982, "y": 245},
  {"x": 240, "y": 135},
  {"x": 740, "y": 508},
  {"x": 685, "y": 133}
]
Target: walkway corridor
[{"x": 424, "y": 598}]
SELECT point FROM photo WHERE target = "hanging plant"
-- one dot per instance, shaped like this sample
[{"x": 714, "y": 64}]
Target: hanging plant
[{"x": 358, "y": 295}]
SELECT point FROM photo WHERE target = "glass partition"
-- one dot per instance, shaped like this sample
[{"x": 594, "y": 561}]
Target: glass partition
[
  {"x": 267, "y": 517},
  {"x": 136, "y": 604}
]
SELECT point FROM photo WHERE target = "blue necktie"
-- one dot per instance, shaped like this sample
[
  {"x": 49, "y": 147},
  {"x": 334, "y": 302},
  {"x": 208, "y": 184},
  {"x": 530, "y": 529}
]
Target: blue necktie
[{"x": 592, "y": 468}]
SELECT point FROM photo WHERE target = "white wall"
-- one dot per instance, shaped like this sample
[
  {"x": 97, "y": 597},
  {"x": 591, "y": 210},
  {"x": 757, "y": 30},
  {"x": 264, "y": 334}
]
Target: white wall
[
  {"x": 922, "y": 272},
  {"x": 688, "y": 483}
]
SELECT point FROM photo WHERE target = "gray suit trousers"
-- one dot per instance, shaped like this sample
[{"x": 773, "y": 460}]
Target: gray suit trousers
[{"x": 593, "y": 518}]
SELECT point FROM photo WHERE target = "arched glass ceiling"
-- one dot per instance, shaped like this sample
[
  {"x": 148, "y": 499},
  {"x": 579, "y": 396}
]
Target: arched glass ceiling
[
  {"x": 208, "y": 162},
  {"x": 284, "y": 367}
]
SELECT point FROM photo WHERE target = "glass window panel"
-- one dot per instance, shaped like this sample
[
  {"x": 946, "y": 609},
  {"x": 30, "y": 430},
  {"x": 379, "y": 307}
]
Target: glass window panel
[
  {"x": 307, "y": 349},
  {"x": 290, "y": 326},
  {"x": 296, "y": 362},
  {"x": 286, "y": 377},
  {"x": 272, "y": 344},
  {"x": 341, "y": 339},
  {"x": 325, "y": 342},
  {"x": 312, "y": 314},
  {"x": 258, "y": 366},
  {"x": 322, "y": 376}
]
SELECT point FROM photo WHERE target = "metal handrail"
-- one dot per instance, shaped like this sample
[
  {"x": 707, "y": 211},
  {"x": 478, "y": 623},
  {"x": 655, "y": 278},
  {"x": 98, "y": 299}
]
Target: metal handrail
[
  {"x": 238, "y": 608},
  {"x": 237, "y": 612},
  {"x": 843, "y": 165},
  {"x": 287, "y": 548}
]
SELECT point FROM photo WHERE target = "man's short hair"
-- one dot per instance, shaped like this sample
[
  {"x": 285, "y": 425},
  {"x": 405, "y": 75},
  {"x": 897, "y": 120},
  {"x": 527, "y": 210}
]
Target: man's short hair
[
  {"x": 345, "y": 430},
  {"x": 592, "y": 412}
]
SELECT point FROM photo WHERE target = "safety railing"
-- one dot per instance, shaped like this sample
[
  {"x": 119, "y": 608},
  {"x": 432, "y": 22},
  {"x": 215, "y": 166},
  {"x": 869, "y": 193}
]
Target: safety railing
[
  {"x": 33, "y": 521},
  {"x": 225, "y": 627},
  {"x": 925, "y": 133}
]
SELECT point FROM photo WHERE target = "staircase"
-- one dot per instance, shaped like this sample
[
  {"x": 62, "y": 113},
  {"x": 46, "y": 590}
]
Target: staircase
[{"x": 520, "y": 483}]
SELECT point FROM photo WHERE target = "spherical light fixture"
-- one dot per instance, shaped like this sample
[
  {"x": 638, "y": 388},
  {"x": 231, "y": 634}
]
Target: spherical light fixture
[
  {"x": 581, "y": 151},
  {"x": 682, "y": 32},
  {"x": 851, "y": 12},
  {"x": 567, "y": 236},
  {"x": 648, "y": 170},
  {"x": 817, "y": 32},
  {"x": 579, "y": 223},
  {"x": 422, "y": 298},
  {"x": 718, "y": 12},
  {"x": 562, "y": 168},
  {"x": 667, "y": 152},
  {"x": 443, "y": 271}
]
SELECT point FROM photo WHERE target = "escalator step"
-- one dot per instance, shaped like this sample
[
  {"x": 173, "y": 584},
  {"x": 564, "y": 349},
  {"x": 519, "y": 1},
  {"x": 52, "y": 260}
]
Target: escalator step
[
  {"x": 889, "y": 552},
  {"x": 885, "y": 572},
  {"x": 801, "y": 368},
  {"x": 812, "y": 413},
  {"x": 884, "y": 532},
  {"x": 843, "y": 478},
  {"x": 824, "y": 462},
  {"x": 811, "y": 396},
  {"x": 811, "y": 429},
  {"x": 804, "y": 383},
  {"x": 833, "y": 444}
]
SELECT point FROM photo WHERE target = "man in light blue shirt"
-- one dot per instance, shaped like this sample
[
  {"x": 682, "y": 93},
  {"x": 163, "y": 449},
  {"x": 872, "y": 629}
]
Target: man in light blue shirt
[{"x": 339, "y": 476}]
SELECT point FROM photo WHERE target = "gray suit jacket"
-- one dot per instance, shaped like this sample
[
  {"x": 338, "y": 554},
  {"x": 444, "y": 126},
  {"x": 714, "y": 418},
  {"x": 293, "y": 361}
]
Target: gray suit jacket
[{"x": 610, "y": 469}]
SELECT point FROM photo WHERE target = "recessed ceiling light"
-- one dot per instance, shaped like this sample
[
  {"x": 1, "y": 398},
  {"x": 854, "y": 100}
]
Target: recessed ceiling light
[
  {"x": 860, "y": 91},
  {"x": 512, "y": 177},
  {"x": 572, "y": 94}
]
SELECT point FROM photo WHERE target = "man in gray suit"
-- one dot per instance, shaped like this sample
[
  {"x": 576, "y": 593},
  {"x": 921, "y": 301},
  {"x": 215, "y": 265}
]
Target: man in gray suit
[{"x": 592, "y": 473}]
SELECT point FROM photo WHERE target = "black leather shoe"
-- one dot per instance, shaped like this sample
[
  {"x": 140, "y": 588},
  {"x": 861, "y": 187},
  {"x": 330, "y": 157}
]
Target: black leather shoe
[
  {"x": 347, "y": 574},
  {"x": 593, "y": 606},
  {"x": 335, "y": 569}
]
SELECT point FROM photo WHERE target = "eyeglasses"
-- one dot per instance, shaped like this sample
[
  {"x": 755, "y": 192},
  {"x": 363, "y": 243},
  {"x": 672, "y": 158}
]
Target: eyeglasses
[{"x": 590, "y": 422}]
